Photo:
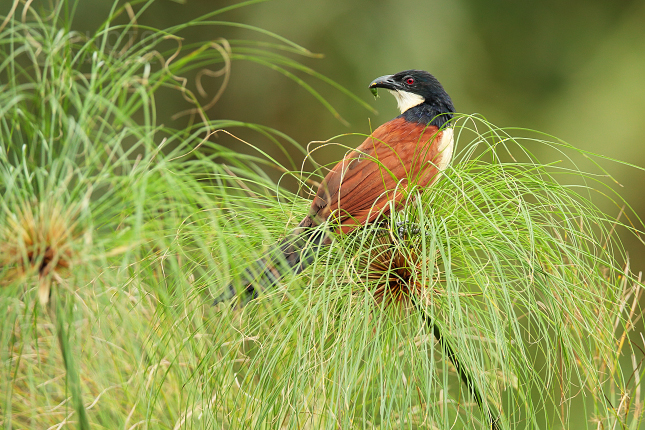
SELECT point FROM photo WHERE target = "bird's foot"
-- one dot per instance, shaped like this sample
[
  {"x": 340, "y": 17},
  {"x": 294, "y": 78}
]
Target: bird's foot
[{"x": 406, "y": 228}]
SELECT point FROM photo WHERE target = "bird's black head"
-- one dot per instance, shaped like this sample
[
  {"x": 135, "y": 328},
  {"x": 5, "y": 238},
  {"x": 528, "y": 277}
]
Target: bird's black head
[{"x": 419, "y": 94}]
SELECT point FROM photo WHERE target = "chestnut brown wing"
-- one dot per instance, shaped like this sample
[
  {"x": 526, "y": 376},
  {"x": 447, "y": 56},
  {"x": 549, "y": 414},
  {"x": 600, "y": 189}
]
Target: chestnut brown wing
[{"x": 359, "y": 187}]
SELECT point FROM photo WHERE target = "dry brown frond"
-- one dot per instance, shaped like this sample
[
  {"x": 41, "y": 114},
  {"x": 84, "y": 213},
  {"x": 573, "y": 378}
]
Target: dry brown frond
[
  {"x": 39, "y": 239},
  {"x": 393, "y": 272}
]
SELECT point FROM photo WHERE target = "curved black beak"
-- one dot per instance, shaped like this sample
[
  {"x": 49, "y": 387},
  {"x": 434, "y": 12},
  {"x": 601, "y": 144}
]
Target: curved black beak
[{"x": 386, "y": 82}]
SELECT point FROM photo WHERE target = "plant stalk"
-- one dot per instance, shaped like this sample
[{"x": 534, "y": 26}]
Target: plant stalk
[
  {"x": 463, "y": 372},
  {"x": 68, "y": 360}
]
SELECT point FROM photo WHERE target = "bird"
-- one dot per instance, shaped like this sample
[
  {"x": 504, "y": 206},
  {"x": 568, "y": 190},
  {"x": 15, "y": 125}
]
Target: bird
[{"x": 411, "y": 150}]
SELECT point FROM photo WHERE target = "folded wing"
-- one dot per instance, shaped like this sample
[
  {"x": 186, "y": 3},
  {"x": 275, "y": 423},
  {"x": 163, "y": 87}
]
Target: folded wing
[{"x": 398, "y": 155}]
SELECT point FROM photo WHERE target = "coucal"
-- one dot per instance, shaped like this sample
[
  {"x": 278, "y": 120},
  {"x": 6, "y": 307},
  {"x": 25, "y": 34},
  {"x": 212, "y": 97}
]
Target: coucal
[{"x": 411, "y": 150}]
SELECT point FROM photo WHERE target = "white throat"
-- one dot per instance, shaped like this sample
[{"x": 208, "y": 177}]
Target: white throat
[{"x": 406, "y": 100}]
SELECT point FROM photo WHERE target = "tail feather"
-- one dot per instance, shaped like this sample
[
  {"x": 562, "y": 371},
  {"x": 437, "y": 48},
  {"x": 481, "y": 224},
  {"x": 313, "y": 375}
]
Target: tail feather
[{"x": 292, "y": 255}]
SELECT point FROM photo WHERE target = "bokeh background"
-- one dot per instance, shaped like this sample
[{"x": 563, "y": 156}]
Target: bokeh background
[{"x": 574, "y": 69}]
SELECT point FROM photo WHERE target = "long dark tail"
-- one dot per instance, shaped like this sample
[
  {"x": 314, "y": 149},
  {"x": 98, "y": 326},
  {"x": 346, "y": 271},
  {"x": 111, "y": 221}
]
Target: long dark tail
[
  {"x": 464, "y": 375},
  {"x": 292, "y": 255}
]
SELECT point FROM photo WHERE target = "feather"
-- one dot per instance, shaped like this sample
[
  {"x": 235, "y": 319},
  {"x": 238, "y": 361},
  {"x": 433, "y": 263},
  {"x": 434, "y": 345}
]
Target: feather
[{"x": 399, "y": 155}]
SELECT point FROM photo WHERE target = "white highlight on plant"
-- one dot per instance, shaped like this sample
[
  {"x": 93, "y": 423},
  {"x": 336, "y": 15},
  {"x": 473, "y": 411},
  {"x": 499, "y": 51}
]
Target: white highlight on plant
[{"x": 406, "y": 100}]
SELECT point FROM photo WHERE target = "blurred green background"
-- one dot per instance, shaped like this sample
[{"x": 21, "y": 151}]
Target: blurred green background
[{"x": 573, "y": 69}]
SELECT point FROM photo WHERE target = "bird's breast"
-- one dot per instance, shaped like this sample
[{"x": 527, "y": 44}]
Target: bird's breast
[{"x": 445, "y": 147}]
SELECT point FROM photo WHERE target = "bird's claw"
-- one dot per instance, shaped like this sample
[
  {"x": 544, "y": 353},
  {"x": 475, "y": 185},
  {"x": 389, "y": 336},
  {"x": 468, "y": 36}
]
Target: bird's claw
[{"x": 405, "y": 228}]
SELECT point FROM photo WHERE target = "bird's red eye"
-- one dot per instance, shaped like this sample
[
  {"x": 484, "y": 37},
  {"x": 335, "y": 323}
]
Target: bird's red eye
[{"x": 409, "y": 81}]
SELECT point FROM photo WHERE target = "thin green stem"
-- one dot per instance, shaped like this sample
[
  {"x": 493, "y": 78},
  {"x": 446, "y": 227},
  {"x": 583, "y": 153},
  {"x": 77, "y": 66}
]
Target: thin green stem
[
  {"x": 462, "y": 371},
  {"x": 71, "y": 370}
]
